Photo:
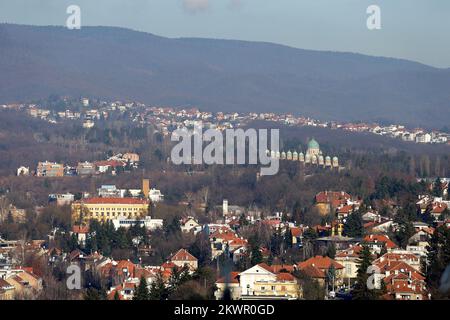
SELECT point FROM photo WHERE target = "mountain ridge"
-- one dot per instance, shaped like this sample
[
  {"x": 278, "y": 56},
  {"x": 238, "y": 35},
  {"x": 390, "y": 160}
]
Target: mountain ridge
[{"x": 219, "y": 75}]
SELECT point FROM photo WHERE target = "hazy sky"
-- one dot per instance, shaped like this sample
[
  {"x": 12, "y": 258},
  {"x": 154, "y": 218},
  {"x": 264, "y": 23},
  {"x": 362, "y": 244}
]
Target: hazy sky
[{"x": 413, "y": 29}]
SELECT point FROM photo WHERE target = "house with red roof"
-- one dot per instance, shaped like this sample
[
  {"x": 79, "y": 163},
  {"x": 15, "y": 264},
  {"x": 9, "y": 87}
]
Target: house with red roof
[
  {"x": 260, "y": 282},
  {"x": 81, "y": 232},
  {"x": 318, "y": 267},
  {"x": 297, "y": 235},
  {"x": 326, "y": 201},
  {"x": 402, "y": 281},
  {"x": 437, "y": 209},
  {"x": 376, "y": 243},
  {"x": 105, "y": 165},
  {"x": 225, "y": 239},
  {"x": 349, "y": 259},
  {"x": 183, "y": 258}
]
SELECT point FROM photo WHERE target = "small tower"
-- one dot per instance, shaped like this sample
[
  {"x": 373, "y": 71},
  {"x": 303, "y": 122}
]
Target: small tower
[
  {"x": 289, "y": 155},
  {"x": 301, "y": 157}
]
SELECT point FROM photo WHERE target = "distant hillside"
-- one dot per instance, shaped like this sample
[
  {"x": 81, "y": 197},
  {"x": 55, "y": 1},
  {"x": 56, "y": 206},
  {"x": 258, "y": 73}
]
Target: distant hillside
[{"x": 219, "y": 75}]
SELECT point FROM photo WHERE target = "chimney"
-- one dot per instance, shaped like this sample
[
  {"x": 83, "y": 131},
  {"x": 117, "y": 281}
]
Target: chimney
[{"x": 146, "y": 187}]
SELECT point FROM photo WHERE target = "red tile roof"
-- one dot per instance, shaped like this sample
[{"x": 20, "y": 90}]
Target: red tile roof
[
  {"x": 438, "y": 208},
  {"x": 125, "y": 265},
  {"x": 183, "y": 255},
  {"x": 284, "y": 276},
  {"x": 345, "y": 209},
  {"x": 296, "y": 232},
  {"x": 110, "y": 163},
  {"x": 276, "y": 268},
  {"x": 232, "y": 278},
  {"x": 313, "y": 272},
  {"x": 80, "y": 229},
  {"x": 114, "y": 201},
  {"x": 380, "y": 238},
  {"x": 332, "y": 197},
  {"x": 321, "y": 263}
]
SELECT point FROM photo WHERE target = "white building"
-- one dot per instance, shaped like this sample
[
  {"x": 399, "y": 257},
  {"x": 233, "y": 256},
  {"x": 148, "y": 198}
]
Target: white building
[
  {"x": 155, "y": 195},
  {"x": 189, "y": 224},
  {"x": 23, "y": 171},
  {"x": 147, "y": 222},
  {"x": 62, "y": 199}
]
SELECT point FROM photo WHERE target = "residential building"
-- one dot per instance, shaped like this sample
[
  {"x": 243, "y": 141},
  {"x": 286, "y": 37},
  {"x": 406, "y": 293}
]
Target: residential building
[
  {"x": 85, "y": 168},
  {"x": 23, "y": 171},
  {"x": 147, "y": 222},
  {"x": 320, "y": 266},
  {"x": 50, "y": 169},
  {"x": 105, "y": 209},
  {"x": 327, "y": 201},
  {"x": 349, "y": 259},
  {"x": 376, "y": 243},
  {"x": 81, "y": 232},
  {"x": 183, "y": 258},
  {"x": 189, "y": 224},
  {"x": 258, "y": 283},
  {"x": 65, "y": 199}
]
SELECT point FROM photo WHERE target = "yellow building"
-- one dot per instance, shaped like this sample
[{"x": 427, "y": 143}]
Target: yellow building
[
  {"x": 285, "y": 285},
  {"x": 104, "y": 209}
]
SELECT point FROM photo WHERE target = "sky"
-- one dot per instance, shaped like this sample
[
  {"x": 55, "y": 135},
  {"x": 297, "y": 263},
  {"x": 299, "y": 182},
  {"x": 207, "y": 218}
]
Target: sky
[{"x": 417, "y": 30}]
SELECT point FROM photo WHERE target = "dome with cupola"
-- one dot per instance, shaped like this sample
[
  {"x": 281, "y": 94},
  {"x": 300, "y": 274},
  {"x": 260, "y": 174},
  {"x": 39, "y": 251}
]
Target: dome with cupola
[
  {"x": 313, "y": 148},
  {"x": 313, "y": 144}
]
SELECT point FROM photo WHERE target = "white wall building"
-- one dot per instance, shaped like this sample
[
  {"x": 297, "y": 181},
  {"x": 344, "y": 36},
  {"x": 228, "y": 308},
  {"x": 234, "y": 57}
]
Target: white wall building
[{"x": 147, "y": 222}]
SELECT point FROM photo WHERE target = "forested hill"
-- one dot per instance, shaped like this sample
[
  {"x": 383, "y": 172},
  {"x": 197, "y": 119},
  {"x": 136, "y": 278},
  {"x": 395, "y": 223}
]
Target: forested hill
[{"x": 224, "y": 75}]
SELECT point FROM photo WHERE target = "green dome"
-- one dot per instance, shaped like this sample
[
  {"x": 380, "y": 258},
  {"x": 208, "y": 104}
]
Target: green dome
[{"x": 313, "y": 144}]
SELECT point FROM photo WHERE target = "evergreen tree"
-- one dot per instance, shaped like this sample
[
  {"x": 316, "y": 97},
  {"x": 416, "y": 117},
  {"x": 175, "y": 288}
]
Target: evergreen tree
[
  {"x": 10, "y": 218},
  {"x": 448, "y": 191},
  {"x": 73, "y": 242},
  {"x": 141, "y": 292},
  {"x": 331, "y": 251},
  {"x": 178, "y": 277},
  {"x": 331, "y": 277},
  {"x": 361, "y": 290},
  {"x": 405, "y": 228},
  {"x": 243, "y": 220},
  {"x": 354, "y": 226},
  {"x": 288, "y": 239},
  {"x": 256, "y": 256},
  {"x": 310, "y": 234},
  {"x": 427, "y": 217},
  {"x": 92, "y": 294},
  {"x": 158, "y": 289},
  {"x": 444, "y": 215},
  {"x": 438, "y": 258},
  {"x": 116, "y": 295},
  {"x": 437, "y": 187},
  {"x": 275, "y": 242}
]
